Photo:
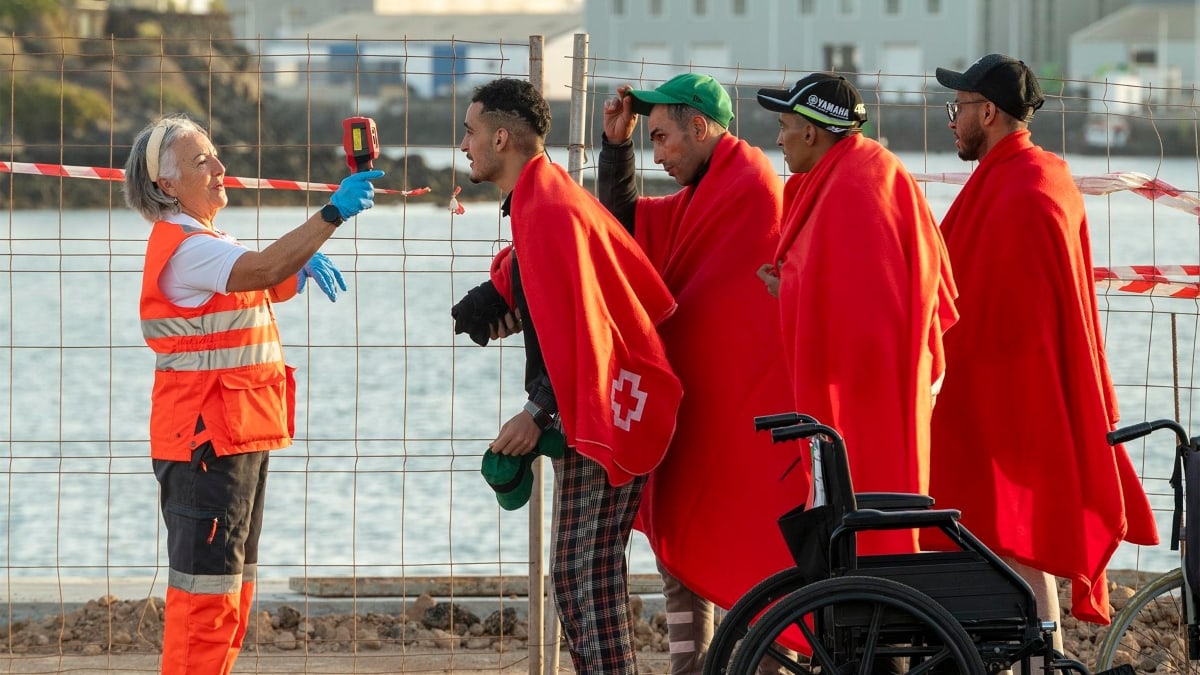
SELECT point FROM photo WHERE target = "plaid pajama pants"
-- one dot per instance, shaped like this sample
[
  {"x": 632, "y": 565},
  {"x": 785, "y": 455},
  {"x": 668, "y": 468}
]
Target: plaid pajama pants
[{"x": 591, "y": 591}]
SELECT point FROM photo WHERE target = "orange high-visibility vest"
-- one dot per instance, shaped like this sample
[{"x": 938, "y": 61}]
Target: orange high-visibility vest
[{"x": 221, "y": 361}]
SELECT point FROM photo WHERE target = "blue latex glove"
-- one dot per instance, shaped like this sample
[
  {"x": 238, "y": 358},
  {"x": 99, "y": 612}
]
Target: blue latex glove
[
  {"x": 321, "y": 268},
  {"x": 355, "y": 194}
]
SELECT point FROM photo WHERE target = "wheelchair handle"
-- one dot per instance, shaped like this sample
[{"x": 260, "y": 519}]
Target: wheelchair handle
[
  {"x": 765, "y": 422},
  {"x": 1134, "y": 431},
  {"x": 796, "y": 431}
]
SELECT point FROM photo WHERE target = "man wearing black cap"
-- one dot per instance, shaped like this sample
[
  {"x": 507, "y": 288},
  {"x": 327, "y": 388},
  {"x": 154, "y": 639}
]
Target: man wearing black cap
[
  {"x": 1020, "y": 422},
  {"x": 865, "y": 290},
  {"x": 710, "y": 509}
]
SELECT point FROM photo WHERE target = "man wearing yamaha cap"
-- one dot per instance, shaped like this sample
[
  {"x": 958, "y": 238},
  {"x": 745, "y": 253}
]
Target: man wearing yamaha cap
[
  {"x": 1021, "y": 420},
  {"x": 865, "y": 290},
  {"x": 709, "y": 510}
]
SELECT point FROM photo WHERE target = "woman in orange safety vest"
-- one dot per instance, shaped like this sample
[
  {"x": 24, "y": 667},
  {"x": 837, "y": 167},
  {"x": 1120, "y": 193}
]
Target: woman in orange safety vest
[{"x": 222, "y": 393}]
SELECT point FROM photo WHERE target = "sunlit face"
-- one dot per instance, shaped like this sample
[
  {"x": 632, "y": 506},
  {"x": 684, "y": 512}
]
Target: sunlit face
[
  {"x": 969, "y": 138},
  {"x": 676, "y": 147},
  {"x": 200, "y": 187},
  {"x": 797, "y": 153},
  {"x": 479, "y": 144}
]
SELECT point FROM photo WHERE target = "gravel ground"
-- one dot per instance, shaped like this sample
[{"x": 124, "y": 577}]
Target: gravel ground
[{"x": 110, "y": 635}]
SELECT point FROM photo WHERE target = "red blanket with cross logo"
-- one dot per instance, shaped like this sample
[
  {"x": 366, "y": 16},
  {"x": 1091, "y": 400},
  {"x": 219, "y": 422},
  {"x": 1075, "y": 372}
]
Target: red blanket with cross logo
[{"x": 596, "y": 302}]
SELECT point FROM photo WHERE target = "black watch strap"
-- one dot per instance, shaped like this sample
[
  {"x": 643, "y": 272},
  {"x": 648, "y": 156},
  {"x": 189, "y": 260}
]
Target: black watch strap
[{"x": 331, "y": 215}]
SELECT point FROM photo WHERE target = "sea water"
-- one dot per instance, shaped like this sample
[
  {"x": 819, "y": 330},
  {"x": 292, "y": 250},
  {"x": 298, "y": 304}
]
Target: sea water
[{"x": 394, "y": 409}]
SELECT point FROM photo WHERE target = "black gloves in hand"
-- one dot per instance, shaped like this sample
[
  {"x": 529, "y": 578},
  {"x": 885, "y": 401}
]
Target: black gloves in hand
[{"x": 479, "y": 311}]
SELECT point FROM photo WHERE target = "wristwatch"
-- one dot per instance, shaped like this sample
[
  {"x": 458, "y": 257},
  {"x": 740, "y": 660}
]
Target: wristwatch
[
  {"x": 331, "y": 215},
  {"x": 540, "y": 417}
]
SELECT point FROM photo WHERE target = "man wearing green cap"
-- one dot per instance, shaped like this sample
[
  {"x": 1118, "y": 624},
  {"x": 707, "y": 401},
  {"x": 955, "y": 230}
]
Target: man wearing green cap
[{"x": 710, "y": 509}]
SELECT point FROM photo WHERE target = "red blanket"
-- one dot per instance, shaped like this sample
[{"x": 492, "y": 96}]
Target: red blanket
[
  {"x": 865, "y": 295},
  {"x": 1019, "y": 427},
  {"x": 595, "y": 300},
  {"x": 710, "y": 509}
]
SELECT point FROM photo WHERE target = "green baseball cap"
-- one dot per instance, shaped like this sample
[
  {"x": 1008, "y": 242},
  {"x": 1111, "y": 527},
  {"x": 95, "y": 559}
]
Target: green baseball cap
[
  {"x": 702, "y": 92},
  {"x": 512, "y": 476}
]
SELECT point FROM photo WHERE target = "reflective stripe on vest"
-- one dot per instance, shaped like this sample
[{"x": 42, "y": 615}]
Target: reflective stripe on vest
[
  {"x": 207, "y": 324},
  {"x": 180, "y": 331},
  {"x": 218, "y": 359}
]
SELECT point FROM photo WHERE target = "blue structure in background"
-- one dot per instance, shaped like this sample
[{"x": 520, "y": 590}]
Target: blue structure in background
[{"x": 449, "y": 59}]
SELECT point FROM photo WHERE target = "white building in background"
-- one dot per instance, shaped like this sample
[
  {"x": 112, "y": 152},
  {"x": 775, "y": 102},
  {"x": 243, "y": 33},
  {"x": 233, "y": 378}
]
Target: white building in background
[
  {"x": 185, "y": 6},
  {"x": 899, "y": 42},
  {"x": 421, "y": 48},
  {"x": 385, "y": 58},
  {"x": 277, "y": 18},
  {"x": 1138, "y": 55}
]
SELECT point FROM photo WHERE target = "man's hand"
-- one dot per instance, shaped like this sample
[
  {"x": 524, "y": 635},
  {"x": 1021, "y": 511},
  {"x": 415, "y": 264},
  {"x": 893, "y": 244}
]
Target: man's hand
[
  {"x": 518, "y": 436},
  {"x": 509, "y": 324},
  {"x": 770, "y": 276},
  {"x": 619, "y": 118}
]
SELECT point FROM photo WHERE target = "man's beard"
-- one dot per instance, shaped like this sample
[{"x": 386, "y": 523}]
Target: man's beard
[{"x": 970, "y": 146}]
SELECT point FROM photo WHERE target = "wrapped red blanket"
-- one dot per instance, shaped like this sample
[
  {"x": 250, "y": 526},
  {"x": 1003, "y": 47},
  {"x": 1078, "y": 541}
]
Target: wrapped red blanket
[
  {"x": 710, "y": 509},
  {"x": 596, "y": 301},
  {"x": 1018, "y": 433},
  {"x": 865, "y": 296}
]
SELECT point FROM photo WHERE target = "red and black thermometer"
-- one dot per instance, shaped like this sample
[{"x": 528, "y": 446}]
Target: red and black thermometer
[{"x": 361, "y": 141}]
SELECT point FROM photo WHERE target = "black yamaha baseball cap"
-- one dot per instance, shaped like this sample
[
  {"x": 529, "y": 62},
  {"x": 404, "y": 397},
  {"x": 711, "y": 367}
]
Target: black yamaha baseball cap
[
  {"x": 1003, "y": 80},
  {"x": 831, "y": 102}
]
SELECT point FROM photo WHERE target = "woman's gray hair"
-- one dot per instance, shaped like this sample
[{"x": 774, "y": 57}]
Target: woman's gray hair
[{"x": 142, "y": 193}]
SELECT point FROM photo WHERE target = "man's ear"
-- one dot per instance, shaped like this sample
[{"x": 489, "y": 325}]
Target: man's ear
[{"x": 501, "y": 138}]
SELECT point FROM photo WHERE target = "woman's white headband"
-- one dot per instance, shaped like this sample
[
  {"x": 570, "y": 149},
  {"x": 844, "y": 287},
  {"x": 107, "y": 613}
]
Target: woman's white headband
[{"x": 152, "y": 150}]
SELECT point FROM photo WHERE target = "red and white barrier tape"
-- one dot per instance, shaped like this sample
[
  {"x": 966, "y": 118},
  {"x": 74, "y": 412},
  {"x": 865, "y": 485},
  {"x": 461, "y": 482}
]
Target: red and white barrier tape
[
  {"x": 102, "y": 173},
  {"x": 1157, "y": 280},
  {"x": 1139, "y": 183}
]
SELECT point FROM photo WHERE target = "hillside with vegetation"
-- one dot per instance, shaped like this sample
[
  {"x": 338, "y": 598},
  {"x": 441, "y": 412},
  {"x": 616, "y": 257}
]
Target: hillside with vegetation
[{"x": 79, "y": 102}]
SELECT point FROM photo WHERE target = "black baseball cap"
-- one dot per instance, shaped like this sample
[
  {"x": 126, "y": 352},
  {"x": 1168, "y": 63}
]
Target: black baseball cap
[
  {"x": 1003, "y": 80},
  {"x": 829, "y": 101}
]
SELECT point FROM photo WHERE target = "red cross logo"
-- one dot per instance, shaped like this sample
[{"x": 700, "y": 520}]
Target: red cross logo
[{"x": 627, "y": 406}]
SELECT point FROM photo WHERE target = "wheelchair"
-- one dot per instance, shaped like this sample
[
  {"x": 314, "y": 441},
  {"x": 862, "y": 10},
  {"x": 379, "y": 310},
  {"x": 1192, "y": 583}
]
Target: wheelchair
[{"x": 955, "y": 611}]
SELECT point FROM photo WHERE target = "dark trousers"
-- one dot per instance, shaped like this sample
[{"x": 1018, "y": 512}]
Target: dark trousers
[
  {"x": 212, "y": 508},
  {"x": 591, "y": 582}
]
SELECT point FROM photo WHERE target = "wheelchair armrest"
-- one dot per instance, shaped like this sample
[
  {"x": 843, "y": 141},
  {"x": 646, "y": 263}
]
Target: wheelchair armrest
[
  {"x": 873, "y": 519},
  {"x": 893, "y": 501}
]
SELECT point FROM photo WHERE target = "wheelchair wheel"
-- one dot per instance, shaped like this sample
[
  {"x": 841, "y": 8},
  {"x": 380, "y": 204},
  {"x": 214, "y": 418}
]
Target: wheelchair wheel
[
  {"x": 1150, "y": 631},
  {"x": 859, "y": 624},
  {"x": 737, "y": 620}
]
